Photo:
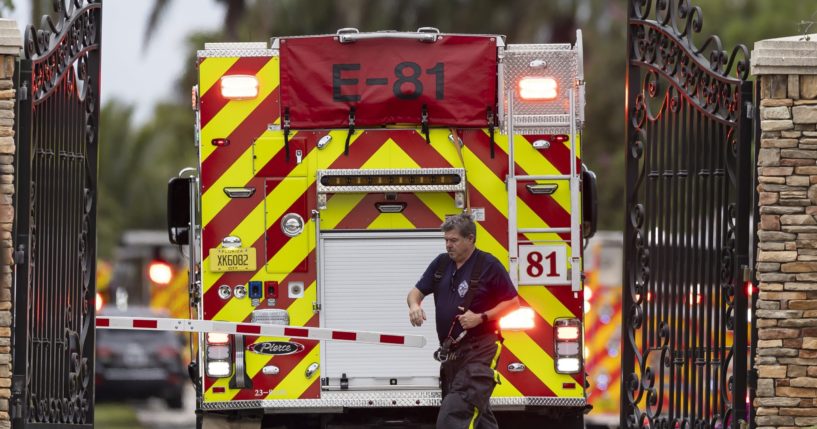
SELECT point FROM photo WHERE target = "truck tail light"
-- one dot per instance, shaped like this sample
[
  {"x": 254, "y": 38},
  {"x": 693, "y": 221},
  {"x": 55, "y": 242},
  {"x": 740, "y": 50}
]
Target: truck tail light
[
  {"x": 568, "y": 345},
  {"x": 518, "y": 320},
  {"x": 537, "y": 88},
  {"x": 218, "y": 356},
  {"x": 216, "y": 338},
  {"x": 218, "y": 369},
  {"x": 239, "y": 87},
  {"x": 160, "y": 272}
]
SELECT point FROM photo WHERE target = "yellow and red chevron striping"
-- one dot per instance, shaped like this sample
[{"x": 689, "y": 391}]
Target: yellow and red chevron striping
[
  {"x": 522, "y": 381},
  {"x": 248, "y": 130},
  {"x": 256, "y": 219},
  {"x": 211, "y": 101}
]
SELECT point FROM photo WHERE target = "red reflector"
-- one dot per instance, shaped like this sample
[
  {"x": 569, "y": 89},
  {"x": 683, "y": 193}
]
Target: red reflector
[
  {"x": 248, "y": 329},
  {"x": 296, "y": 332},
  {"x": 217, "y": 389},
  {"x": 150, "y": 324},
  {"x": 340, "y": 335},
  {"x": 392, "y": 339},
  {"x": 561, "y": 137},
  {"x": 568, "y": 385},
  {"x": 220, "y": 142},
  {"x": 102, "y": 322}
]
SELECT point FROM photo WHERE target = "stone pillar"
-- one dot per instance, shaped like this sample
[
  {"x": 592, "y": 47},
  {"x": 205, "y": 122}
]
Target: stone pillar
[
  {"x": 10, "y": 44},
  {"x": 786, "y": 313}
]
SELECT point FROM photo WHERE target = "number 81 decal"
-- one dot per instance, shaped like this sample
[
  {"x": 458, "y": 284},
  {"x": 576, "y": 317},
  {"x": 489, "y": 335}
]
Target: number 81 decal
[{"x": 542, "y": 265}]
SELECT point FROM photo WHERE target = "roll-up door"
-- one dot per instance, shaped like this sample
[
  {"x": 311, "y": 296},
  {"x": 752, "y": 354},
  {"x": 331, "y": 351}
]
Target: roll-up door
[{"x": 365, "y": 279}]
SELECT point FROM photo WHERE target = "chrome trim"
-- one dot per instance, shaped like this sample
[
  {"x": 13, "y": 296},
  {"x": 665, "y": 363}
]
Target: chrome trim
[
  {"x": 390, "y": 208},
  {"x": 292, "y": 217},
  {"x": 420, "y": 37},
  {"x": 271, "y": 316},
  {"x": 516, "y": 367},
  {"x": 322, "y": 189},
  {"x": 311, "y": 369},
  {"x": 225, "y": 292},
  {"x": 239, "y": 192},
  {"x": 323, "y": 141},
  {"x": 240, "y": 365},
  {"x": 541, "y": 144},
  {"x": 231, "y": 242},
  {"x": 270, "y": 370},
  {"x": 542, "y": 189}
]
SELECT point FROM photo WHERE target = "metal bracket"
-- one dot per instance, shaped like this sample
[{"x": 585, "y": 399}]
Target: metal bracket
[
  {"x": 316, "y": 306},
  {"x": 16, "y": 409},
  {"x": 746, "y": 272},
  {"x": 22, "y": 95},
  {"x": 20, "y": 255}
]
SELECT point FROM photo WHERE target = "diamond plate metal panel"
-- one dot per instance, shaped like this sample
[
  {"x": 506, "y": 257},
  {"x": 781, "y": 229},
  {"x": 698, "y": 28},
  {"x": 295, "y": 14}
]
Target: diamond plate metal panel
[
  {"x": 229, "y": 53},
  {"x": 559, "y": 61}
]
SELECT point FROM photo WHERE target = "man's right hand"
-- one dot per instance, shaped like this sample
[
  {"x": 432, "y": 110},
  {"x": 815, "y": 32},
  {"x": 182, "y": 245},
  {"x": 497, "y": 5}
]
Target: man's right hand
[{"x": 417, "y": 315}]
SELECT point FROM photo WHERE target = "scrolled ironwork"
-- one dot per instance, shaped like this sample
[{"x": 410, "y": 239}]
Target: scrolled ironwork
[
  {"x": 57, "y": 46},
  {"x": 55, "y": 219},
  {"x": 708, "y": 75},
  {"x": 686, "y": 236}
]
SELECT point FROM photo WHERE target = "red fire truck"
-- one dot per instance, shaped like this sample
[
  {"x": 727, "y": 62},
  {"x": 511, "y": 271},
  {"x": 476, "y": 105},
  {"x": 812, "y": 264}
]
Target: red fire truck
[{"x": 327, "y": 165}]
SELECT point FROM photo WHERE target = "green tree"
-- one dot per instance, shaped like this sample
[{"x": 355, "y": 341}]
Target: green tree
[{"x": 164, "y": 144}]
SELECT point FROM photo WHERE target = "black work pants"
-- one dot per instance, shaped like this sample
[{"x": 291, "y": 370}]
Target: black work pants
[{"x": 467, "y": 384}]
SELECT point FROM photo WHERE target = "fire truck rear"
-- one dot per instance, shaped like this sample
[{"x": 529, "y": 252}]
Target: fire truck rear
[{"x": 327, "y": 165}]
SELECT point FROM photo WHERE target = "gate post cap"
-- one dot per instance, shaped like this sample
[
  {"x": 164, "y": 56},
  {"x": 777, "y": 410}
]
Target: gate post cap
[
  {"x": 10, "y": 37},
  {"x": 785, "y": 55}
]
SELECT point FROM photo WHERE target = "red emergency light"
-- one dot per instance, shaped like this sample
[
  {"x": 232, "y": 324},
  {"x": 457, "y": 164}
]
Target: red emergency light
[
  {"x": 239, "y": 87},
  {"x": 160, "y": 272}
]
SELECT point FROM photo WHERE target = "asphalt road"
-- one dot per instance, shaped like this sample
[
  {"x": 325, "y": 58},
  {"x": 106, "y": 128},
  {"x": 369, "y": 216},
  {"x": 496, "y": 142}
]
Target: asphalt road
[{"x": 154, "y": 414}]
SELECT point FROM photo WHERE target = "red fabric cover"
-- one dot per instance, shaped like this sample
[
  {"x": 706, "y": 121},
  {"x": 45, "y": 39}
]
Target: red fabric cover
[{"x": 321, "y": 79}]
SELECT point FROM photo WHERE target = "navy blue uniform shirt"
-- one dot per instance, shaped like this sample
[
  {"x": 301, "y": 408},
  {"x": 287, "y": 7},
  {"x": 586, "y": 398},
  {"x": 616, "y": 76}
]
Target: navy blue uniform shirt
[{"x": 495, "y": 286}]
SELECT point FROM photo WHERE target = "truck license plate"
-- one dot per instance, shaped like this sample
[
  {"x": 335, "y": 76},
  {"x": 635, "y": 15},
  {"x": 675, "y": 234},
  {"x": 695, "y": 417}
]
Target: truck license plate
[{"x": 232, "y": 259}]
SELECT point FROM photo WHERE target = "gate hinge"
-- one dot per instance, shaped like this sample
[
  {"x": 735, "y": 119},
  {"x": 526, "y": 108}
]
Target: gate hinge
[
  {"x": 751, "y": 379},
  {"x": 746, "y": 272},
  {"x": 16, "y": 407},
  {"x": 22, "y": 94},
  {"x": 316, "y": 306},
  {"x": 20, "y": 255}
]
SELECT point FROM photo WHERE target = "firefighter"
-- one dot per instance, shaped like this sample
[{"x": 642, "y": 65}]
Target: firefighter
[{"x": 472, "y": 291}]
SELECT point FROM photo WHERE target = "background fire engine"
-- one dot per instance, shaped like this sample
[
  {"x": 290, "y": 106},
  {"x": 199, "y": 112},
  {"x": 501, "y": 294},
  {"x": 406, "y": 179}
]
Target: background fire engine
[
  {"x": 327, "y": 164},
  {"x": 603, "y": 259}
]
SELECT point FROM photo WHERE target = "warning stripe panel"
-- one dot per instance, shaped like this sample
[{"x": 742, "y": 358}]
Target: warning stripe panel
[
  {"x": 212, "y": 70},
  {"x": 371, "y": 149},
  {"x": 235, "y": 112},
  {"x": 221, "y": 158},
  {"x": 301, "y": 318}
]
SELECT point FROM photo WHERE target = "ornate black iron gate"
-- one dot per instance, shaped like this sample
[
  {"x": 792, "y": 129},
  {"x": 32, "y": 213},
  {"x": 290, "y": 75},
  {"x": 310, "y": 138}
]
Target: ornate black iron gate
[
  {"x": 689, "y": 195},
  {"x": 55, "y": 220}
]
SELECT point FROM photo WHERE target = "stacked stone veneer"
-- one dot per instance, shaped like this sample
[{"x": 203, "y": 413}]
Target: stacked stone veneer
[
  {"x": 786, "y": 313},
  {"x": 10, "y": 43}
]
